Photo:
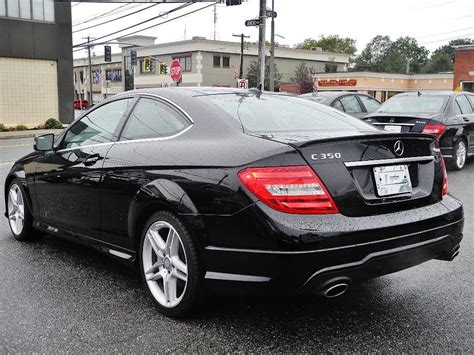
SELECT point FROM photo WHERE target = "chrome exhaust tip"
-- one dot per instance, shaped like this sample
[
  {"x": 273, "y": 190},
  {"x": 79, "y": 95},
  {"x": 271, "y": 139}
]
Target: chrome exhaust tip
[{"x": 335, "y": 290}]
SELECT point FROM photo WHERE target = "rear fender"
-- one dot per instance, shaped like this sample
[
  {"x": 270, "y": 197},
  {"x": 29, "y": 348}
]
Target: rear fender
[{"x": 161, "y": 195}]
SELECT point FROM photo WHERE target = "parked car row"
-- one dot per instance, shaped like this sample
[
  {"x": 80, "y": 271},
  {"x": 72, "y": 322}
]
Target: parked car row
[{"x": 445, "y": 114}]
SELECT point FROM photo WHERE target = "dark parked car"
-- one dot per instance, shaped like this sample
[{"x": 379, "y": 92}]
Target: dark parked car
[
  {"x": 352, "y": 103},
  {"x": 447, "y": 115},
  {"x": 204, "y": 186}
]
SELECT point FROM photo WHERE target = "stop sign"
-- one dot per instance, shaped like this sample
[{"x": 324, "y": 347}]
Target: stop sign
[{"x": 175, "y": 70}]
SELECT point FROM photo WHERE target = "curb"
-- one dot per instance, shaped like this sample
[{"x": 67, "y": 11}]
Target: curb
[{"x": 26, "y": 134}]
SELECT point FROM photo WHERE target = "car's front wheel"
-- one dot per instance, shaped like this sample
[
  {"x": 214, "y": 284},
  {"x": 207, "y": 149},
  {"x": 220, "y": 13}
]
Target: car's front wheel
[
  {"x": 169, "y": 264},
  {"x": 460, "y": 155},
  {"x": 19, "y": 216}
]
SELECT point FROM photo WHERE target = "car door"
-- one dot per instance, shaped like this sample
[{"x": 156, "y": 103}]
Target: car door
[
  {"x": 466, "y": 117},
  {"x": 147, "y": 151},
  {"x": 67, "y": 179},
  {"x": 352, "y": 106}
]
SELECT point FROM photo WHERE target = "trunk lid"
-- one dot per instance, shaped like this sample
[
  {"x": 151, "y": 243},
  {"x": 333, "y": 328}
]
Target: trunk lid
[
  {"x": 347, "y": 166},
  {"x": 402, "y": 123}
]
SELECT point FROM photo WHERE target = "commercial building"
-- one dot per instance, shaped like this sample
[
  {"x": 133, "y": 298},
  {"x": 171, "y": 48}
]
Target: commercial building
[
  {"x": 204, "y": 63},
  {"x": 464, "y": 68},
  {"x": 380, "y": 85},
  {"x": 35, "y": 62}
]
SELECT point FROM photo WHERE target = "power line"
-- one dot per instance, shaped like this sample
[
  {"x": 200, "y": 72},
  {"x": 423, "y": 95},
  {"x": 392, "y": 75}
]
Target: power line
[
  {"x": 446, "y": 33},
  {"x": 158, "y": 24},
  {"x": 138, "y": 24},
  {"x": 105, "y": 14},
  {"x": 451, "y": 39},
  {"x": 115, "y": 19}
]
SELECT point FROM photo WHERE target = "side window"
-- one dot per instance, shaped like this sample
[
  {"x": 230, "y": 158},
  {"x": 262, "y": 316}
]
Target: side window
[
  {"x": 351, "y": 105},
  {"x": 370, "y": 104},
  {"x": 153, "y": 119},
  {"x": 99, "y": 126},
  {"x": 464, "y": 104},
  {"x": 457, "y": 109},
  {"x": 338, "y": 105}
]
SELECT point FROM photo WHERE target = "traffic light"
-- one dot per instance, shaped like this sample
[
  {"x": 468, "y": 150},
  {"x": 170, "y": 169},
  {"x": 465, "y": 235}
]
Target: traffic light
[
  {"x": 146, "y": 65},
  {"x": 133, "y": 57},
  {"x": 152, "y": 65},
  {"x": 163, "y": 69},
  {"x": 107, "y": 53},
  {"x": 233, "y": 2}
]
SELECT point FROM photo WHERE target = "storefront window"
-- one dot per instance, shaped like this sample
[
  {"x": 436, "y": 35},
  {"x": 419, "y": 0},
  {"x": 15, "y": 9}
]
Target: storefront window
[
  {"x": 3, "y": 8},
  {"x": 13, "y": 8},
  {"x": 185, "y": 62},
  {"x": 114, "y": 75},
  {"x": 25, "y": 9}
]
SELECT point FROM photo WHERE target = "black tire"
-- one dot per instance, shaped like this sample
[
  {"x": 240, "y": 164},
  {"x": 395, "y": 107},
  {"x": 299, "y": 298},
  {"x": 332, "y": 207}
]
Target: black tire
[
  {"x": 454, "y": 162},
  {"x": 193, "y": 287},
  {"x": 27, "y": 232}
]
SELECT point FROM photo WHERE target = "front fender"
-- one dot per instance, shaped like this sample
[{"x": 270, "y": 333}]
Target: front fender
[{"x": 23, "y": 173}]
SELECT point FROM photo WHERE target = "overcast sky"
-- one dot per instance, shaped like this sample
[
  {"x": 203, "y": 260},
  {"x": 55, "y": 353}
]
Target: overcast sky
[{"x": 431, "y": 22}]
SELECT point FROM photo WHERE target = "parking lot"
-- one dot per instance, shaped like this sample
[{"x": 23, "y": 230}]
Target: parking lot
[{"x": 58, "y": 296}]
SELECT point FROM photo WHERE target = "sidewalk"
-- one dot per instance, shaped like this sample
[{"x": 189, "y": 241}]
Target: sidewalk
[{"x": 27, "y": 134}]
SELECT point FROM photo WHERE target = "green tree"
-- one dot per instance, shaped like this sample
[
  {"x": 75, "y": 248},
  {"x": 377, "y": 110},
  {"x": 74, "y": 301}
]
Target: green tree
[
  {"x": 439, "y": 62},
  {"x": 409, "y": 48},
  {"x": 331, "y": 43},
  {"x": 253, "y": 73},
  {"x": 371, "y": 57},
  {"x": 449, "y": 48},
  {"x": 304, "y": 78}
]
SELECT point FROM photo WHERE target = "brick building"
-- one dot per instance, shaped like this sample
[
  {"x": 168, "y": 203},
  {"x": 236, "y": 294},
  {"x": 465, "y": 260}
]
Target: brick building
[{"x": 464, "y": 68}]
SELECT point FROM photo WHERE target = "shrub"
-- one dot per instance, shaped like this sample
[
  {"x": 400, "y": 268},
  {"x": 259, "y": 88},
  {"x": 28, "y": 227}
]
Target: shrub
[
  {"x": 3, "y": 128},
  {"x": 21, "y": 127},
  {"x": 52, "y": 123}
]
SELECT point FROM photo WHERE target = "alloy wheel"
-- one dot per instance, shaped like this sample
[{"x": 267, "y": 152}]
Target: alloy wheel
[
  {"x": 165, "y": 264},
  {"x": 16, "y": 209},
  {"x": 461, "y": 154}
]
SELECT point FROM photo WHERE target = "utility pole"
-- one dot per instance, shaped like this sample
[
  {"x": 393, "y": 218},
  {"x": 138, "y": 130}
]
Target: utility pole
[
  {"x": 272, "y": 51},
  {"x": 241, "y": 71},
  {"x": 261, "y": 44},
  {"x": 215, "y": 22},
  {"x": 90, "y": 70}
]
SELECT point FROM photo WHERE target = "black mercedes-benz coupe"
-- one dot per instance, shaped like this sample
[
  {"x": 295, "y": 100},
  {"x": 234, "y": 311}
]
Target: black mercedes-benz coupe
[
  {"x": 447, "y": 115},
  {"x": 203, "y": 186}
]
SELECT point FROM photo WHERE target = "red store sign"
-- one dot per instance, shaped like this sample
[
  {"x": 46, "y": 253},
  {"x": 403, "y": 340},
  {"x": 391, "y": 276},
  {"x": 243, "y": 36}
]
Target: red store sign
[{"x": 341, "y": 82}]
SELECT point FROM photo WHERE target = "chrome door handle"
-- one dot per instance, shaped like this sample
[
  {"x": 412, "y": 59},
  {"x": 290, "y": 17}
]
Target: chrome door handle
[{"x": 91, "y": 160}]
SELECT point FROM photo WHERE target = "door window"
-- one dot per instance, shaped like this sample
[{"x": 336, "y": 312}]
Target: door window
[
  {"x": 351, "y": 105},
  {"x": 370, "y": 104},
  {"x": 338, "y": 105},
  {"x": 99, "y": 126},
  {"x": 464, "y": 104},
  {"x": 153, "y": 119}
]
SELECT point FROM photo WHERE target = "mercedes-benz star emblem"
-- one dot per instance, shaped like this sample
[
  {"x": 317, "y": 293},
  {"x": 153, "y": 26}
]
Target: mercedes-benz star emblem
[
  {"x": 398, "y": 148},
  {"x": 392, "y": 120}
]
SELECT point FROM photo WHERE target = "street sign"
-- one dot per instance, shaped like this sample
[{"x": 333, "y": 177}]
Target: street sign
[
  {"x": 254, "y": 22},
  {"x": 242, "y": 83},
  {"x": 175, "y": 70},
  {"x": 271, "y": 13}
]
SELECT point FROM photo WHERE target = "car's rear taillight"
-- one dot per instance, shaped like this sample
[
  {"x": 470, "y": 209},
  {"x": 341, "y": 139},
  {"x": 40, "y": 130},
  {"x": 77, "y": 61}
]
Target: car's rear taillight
[
  {"x": 445, "y": 178},
  {"x": 290, "y": 189},
  {"x": 434, "y": 129}
]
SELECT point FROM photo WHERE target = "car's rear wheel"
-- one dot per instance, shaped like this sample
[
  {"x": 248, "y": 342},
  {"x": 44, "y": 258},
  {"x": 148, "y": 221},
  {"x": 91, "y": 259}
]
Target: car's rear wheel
[
  {"x": 169, "y": 264},
  {"x": 19, "y": 216},
  {"x": 460, "y": 155}
]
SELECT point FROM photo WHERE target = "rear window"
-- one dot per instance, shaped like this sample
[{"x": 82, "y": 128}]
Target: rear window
[
  {"x": 414, "y": 104},
  {"x": 274, "y": 113}
]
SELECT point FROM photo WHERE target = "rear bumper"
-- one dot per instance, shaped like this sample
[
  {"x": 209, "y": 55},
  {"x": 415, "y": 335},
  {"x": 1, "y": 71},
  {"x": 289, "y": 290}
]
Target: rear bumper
[{"x": 320, "y": 249}]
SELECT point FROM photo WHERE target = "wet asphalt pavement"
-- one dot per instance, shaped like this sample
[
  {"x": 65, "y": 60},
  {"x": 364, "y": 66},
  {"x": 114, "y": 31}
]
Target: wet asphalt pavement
[{"x": 58, "y": 296}]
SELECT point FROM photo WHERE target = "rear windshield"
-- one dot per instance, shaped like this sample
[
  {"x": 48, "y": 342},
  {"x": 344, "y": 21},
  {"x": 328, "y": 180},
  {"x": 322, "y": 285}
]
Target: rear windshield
[
  {"x": 414, "y": 104},
  {"x": 275, "y": 113}
]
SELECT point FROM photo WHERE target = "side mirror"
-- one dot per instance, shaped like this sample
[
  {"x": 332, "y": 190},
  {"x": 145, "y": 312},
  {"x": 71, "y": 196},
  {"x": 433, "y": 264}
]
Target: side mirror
[{"x": 44, "y": 143}]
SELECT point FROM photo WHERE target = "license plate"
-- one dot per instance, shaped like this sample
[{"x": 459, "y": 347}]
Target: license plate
[
  {"x": 392, "y": 180},
  {"x": 396, "y": 129}
]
